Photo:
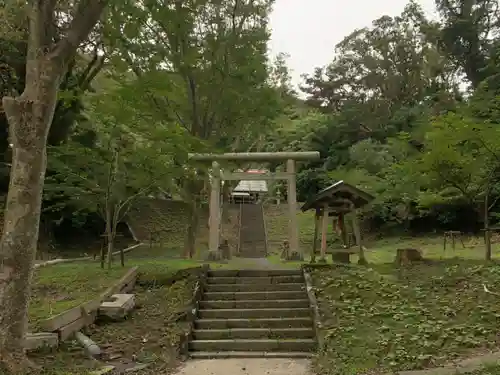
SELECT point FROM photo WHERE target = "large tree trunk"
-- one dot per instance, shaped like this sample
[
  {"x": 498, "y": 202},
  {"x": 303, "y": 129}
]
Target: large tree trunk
[{"x": 29, "y": 116}]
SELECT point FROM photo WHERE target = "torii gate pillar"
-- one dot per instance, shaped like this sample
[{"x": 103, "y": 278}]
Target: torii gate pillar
[{"x": 289, "y": 176}]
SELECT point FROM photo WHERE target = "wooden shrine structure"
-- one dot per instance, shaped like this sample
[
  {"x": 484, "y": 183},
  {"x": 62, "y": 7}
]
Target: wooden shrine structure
[
  {"x": 337, "y": 200},
  {"x": 218, "y": 176}
]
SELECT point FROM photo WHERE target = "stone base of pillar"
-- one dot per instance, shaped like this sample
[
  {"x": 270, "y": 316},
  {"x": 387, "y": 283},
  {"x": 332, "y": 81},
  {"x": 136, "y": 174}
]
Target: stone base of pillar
[
  {"x": 295, "y": 255},
  {"x": 214, "y": 255}
]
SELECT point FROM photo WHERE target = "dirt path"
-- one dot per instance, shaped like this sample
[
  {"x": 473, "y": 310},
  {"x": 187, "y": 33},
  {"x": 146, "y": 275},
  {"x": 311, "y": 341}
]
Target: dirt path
[{"x": 246, "y": 366}]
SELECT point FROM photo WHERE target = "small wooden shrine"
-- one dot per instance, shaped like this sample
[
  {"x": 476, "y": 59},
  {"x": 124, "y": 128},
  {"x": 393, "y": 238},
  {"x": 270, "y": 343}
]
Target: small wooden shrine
[{"x": 337, "y": 201}]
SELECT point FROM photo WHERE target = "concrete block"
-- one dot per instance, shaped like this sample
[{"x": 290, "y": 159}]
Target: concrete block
[
  {"x": 40, "y": 340},
  {"x": 119, "y": 306}
]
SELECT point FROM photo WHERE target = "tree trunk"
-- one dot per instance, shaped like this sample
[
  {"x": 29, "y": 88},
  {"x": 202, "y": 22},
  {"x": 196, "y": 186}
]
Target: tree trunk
[
  {"x": 30, "y": 116},
  {"x": 109, "y": 234},
  {"x": 487, "y": 233},
  {"x": 103, "y": 251},
  {"x": 114, "y": 227}
]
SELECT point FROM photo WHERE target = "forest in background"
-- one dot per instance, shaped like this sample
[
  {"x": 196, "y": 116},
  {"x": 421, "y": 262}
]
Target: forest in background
[{"x": 408, "y": 110}]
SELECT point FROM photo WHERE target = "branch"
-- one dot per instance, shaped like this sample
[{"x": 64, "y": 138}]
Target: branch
[{"x": 86, "y": 15}]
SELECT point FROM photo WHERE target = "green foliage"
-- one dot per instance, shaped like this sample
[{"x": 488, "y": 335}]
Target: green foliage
[
  {"x": 462, "y": 158},
  {"x": 391, "y": 115},
  {"x": 134, "y": 155},
  {"x": 202, "y": 63}
]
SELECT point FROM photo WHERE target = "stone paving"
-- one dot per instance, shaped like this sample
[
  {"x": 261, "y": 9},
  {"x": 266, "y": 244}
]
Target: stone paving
[{"x": 246, "y": 366}]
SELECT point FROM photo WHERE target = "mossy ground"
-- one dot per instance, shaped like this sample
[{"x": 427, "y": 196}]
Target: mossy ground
[{"x": 380, "y": 318}]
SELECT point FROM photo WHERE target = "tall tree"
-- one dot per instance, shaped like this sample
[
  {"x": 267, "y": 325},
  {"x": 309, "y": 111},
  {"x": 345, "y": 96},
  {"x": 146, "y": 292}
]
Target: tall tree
[
  {"x": 203, "y": 64},
  {"x": 468, "y": 34},
  {"x": 30, "y": 115}
]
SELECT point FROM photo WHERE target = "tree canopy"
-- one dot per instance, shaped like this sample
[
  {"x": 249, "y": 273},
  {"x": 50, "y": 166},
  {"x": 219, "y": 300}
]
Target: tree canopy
[{"x": 408, "y": 108}]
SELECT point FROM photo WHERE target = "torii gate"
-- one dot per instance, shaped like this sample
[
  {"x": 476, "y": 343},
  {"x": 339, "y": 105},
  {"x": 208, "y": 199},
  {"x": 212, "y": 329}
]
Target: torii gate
[{"x": 218, "y": 176}]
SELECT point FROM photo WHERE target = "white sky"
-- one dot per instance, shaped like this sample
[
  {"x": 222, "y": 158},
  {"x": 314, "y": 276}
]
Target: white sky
[{"x": 308, "y": 30}]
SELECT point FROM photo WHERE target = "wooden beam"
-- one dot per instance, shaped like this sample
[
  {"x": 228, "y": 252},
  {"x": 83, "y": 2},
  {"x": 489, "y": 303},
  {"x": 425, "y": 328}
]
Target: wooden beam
[
  {"x": 324, "y": 230},
  {"x": 357, "y": 234},
  {"x": 246, "y": 176},
  {"x": 214, "y": 209},
  {"x": 343, "y": 232},
  {"x": 257, "y": 156},
  {"x": 315, "y": 239},
  {"x": 292, "y": 209}
]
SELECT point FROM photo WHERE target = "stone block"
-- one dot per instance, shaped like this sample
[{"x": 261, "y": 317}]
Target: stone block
[
  {"x": 41, "y": 340},
  {"x": 119, "y": 306}
]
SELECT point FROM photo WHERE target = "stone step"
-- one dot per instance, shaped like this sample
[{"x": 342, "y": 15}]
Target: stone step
[
  {"x": 254, "y": 304},
  {"x": 254, "y": 313},
  {"x": 256, "y": 345},
  {"x": 253, "y": 333},
  {"x": 231, "y": 354},
  {"x": 225, "y": 296},
  {"x": 253, "y": 273},
  {"x": 253, "y": 323},
  {"x": 257, "y": 280},
  {"x": 280, "y": 287}
]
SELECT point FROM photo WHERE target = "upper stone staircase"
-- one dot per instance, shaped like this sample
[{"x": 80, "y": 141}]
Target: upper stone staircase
[
  {"x": 253, "y": 241},
  {"x": 253, "y": 313}
]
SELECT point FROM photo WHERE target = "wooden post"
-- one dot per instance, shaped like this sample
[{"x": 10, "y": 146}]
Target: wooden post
[
  {"x": 357, "y": 234},
  {"x": 295, "y": 252},
  {"x": 324, "y": 230},
  {"x": 214, "y": 219},
  {"x": 343, "y": 232},
  {"x": 315, "y": 239}
]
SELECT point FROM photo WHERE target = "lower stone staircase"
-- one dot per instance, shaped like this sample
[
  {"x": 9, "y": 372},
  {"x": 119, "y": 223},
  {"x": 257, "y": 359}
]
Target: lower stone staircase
[
  {"x": 253, "y": 313},
  {"x": 253, "y": 241}
]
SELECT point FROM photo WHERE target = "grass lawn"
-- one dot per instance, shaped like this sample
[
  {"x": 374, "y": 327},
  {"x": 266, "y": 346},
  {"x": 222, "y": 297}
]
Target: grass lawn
[
  {"x": 63, "y": 286},
  {"x": 379, "y": 319},
  {"x": 384, "y": 250}
]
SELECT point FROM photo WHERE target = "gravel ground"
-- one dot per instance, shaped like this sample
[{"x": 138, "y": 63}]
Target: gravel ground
[{"x": 249, "y": 366}]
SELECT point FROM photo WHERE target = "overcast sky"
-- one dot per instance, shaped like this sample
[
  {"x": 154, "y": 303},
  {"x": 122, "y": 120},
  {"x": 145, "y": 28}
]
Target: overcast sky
[{"x": 308, "y": 30}]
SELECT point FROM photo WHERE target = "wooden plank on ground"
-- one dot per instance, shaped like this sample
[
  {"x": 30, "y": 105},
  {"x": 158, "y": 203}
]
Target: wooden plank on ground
[
  {"x": 62, "y": 319},
  {"x": 129, "y": 278},
  {"x": 68, "y": 330}
]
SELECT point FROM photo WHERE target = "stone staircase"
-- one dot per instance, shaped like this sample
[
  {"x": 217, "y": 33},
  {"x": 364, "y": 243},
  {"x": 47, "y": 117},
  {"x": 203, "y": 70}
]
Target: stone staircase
[
  {"x": 253, "y": 241},
  {"x": 253, "y": 313}
]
